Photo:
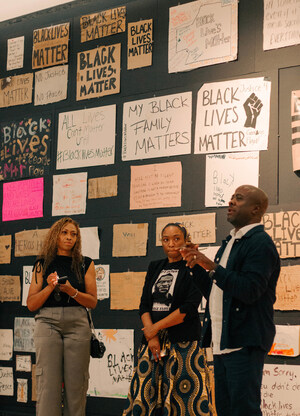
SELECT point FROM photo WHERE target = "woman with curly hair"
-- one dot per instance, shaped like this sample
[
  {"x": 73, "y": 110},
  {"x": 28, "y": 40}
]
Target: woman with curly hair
[
  {"x": 62, "y": 332},
  {"x": 171, "y": 376}
]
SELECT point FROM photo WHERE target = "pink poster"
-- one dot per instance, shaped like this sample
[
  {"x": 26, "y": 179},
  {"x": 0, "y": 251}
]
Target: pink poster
[{"x": 23, "y": 199}]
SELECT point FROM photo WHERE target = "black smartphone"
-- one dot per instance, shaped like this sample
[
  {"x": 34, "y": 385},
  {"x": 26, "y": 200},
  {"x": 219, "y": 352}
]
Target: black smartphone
[{"x": 62, "y": 279}]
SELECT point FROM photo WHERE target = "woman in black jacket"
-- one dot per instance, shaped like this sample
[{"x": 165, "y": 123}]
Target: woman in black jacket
[{"x": 171, "y": 376}]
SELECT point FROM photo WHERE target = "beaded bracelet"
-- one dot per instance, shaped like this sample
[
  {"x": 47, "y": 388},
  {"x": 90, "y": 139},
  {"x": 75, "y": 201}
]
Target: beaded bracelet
[{"x": 74, "y": 296}]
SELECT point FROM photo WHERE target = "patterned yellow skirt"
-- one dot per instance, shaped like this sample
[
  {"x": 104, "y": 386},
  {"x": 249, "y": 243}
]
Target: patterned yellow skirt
[{"x": 178, "y": 385}]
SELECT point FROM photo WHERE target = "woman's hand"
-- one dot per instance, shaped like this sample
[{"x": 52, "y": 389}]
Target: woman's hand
[
  {"x": 67, "y": 288},
  {"x": 52, "y": 280},
  {"x": 150, "y": 331},
  {"x": 154, "y": 347}
]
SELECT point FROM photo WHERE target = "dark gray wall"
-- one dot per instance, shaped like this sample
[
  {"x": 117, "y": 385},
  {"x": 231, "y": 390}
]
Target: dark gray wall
[{"x": 281, "y": 66}]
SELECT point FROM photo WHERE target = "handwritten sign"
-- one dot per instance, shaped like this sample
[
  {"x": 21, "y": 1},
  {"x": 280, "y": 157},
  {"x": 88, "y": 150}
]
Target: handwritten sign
[
  {"x": 6, "y": 344},
  {"x": 130, "y": 240},
  {"x": 201, "y": 227},
  {"x": 126, "y": 290},
  {"x": 139, "y": 45},
  {"x": 10, "y": 288},
  {"x": 23, "y": 199},
  {"x": 5, "y": 249},
  {"x": 69, "y": 194},
  {"x": 201, "y": 33},
  {"x": 90, "y": 242},
  {"x": 284, "y": 228},
  {"x": 227, "y": 171},
  {"x": 6, "y": 381},
  {"x": 101, "y": 24},
  {"x": 15, "y": 53},
  {"x": 23, "y": 334},
  {"x": 286, "y": 341},
  {"x": 156, "y": 127},
  {"x": 233, "y": 116},
  {"x": 156, "y": 186},
  {"x": 25, "y": 148},
  {"x": 98, "y": 72},
  {"x": 51, "y": 85},
  {"x": 86, "y": 137},
  {"x": 295, "y": 113},
  {"x": 50, "y": 46},
  {"x": 29, "y": 242},
  {"x": 103, "y": 187},
  {"x": 23, "y": 363},
  {"x": 288, "y": 289},
  {"x": 111, "y": 376},
  {"x": 27, "y": 276},
  {"x": 22, "y": 390},
  {"x": 16, "y": 90},
  {"x": 280, "y": 390},
  {"x": 102, "y": 281},
  {"x": 281, "y": 24}
]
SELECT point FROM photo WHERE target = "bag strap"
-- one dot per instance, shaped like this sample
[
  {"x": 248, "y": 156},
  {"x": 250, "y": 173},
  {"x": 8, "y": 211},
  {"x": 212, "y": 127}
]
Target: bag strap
[{"x": 89, "y": 315}]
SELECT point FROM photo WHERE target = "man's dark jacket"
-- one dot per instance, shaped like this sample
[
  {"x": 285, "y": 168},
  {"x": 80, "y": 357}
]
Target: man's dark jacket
[{"x": 248, "y": 283}]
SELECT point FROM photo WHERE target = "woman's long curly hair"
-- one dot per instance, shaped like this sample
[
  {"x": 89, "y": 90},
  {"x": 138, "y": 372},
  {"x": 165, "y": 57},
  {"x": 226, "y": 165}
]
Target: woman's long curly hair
[{"x": 49, "y": 249}]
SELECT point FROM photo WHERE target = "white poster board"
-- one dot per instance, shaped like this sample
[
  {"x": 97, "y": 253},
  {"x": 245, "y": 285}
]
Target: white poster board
[
  {"x": 110, "y": 376},
  {"x": 281, "y": 24},
  {"x": 27, "y": 275},
  {"x": 6, "y": 344},
  {"x": 86, "y": 137},
  {"x": 280, "y": 390},
  {"x": 202, "y": 33},
  {"x": 15, "y": 53},
  {"x": 227, "y": 171},
  {"x": 69, "y": 194},
  {"x": 156, "y": 127},
  {"x": 51, "y": 85},
  {"x": 6, "y": 381},
  {"x": 90, "y": 242},
  {"x": 233, "y": 116}
]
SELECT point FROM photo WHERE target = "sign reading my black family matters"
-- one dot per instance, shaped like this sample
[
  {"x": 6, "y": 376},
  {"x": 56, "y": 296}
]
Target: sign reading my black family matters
[
  {"x": 25, "y": 148},
  {"x": 50, "y": 46},
  {"x": 98, "y": 72}
]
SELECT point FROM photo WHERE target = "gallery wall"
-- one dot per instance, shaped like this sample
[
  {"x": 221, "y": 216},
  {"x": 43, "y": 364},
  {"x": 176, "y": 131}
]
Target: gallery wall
[{"x": 122, "y": 200}]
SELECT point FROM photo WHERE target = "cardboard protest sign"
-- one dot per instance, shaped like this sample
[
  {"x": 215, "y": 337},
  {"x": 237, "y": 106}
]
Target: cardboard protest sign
[
  {"x": 51, "y": 85},
  {"x": 50, "y": 46},
  {"x": 139, "y": 46},
  {"x": 284, "y": 228},
  {"x": 104, "y": 23},
  {"x": 156, "y": 186},
  {"x": 98, "y": 72},
  {"x": 16, "y": 90}
]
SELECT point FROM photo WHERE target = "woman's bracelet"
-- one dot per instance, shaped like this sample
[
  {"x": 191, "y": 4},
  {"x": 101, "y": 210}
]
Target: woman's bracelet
[{"x": 76, "y": 293}]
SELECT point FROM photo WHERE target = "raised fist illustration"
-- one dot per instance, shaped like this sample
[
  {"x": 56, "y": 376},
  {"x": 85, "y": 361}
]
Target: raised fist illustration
[{"x": 252, "y": 108}]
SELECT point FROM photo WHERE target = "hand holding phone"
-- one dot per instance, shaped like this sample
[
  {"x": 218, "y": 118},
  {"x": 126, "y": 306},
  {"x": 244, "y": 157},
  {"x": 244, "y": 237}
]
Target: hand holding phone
[{"x": 62, "y": 280}]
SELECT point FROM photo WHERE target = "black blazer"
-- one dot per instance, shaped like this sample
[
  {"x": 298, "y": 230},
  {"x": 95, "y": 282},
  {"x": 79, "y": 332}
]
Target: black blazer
[
  {"x": 186, "y": 297},
  {"x": 249, "y": 292}
]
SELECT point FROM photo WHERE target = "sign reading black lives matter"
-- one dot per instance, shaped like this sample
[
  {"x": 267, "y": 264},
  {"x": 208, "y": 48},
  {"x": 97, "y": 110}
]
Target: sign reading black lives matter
[
  {"x": 25, "y": 148},
  {"x": 104, "y": 23},
  {"x": 233, "y": 116},
  {"x": 98, "y": 72},
  {"x": 50, "y": 46}
]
